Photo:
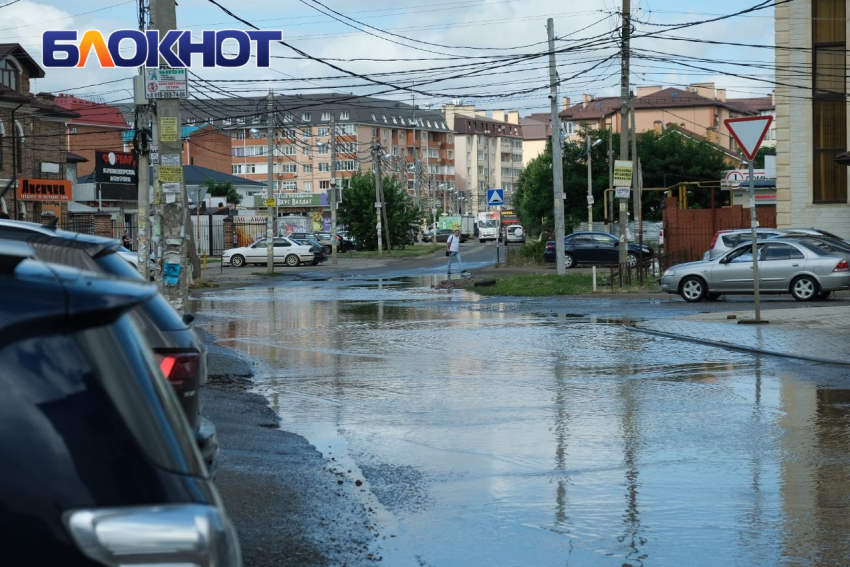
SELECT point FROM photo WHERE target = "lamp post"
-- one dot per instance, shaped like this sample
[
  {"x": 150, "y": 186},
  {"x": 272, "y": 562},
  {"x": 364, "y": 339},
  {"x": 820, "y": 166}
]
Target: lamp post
[{"x": 590, "y": 183}]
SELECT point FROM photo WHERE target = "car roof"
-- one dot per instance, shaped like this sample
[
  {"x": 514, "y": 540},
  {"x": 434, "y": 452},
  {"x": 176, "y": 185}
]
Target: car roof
[{"x": 93, "y": 245}]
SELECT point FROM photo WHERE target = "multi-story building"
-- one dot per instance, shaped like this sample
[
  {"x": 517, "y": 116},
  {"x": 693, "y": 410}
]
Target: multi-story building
[
  {"x": 416, "y": 144},
  {"x": 812, "y": 114},
  {"x": 33, "y": 156},
  {"x": 536, "y": 132},
  {"x": 489, "y": 153},
  {"x": 701, "y": 109},
  {"x": 99, "y": 127}
]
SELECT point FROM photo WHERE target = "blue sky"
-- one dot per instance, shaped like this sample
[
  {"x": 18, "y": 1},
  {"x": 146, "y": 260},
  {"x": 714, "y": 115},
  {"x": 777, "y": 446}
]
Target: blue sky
[{"x": 460, "y": 25}]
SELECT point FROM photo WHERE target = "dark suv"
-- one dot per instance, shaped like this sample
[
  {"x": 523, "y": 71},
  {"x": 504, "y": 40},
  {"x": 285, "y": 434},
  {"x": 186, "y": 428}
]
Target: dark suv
[
  {"x": 180, "y": 352},
  {"x": 96, "y": 457}
]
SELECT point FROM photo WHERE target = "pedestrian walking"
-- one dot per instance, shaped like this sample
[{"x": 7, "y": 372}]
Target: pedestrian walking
[
  {"x": 453, "y": 251},
  {"x": 125, "y": 240}
]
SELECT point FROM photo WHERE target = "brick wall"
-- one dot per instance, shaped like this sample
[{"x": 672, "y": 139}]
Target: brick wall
[
  {"x": 209, "y": 147},
  {"x": 689, "y": 232},
  {"x": 88, "y": 139}
]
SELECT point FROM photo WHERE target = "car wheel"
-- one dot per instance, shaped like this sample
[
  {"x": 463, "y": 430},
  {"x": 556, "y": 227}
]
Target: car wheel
[
  {"x": 692, "y": 289},
  {"x": 632, "y": 260},
  {"x": 804, "y": 288},
  {"x": 824, "y": 295},
  {"x": 327, "y": 250},
  {"x": 569, "y": 261},
  {"x": 237, "y": 261},
  {"x": 292, "y": 260}
]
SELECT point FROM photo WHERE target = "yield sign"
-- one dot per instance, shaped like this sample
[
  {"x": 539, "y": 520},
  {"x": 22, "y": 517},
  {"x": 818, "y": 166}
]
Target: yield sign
[{"x": 749, "y": 132}]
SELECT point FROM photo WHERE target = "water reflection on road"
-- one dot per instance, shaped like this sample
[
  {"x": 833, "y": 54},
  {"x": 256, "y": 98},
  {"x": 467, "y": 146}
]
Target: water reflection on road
[{"x": 493, "y": 437}]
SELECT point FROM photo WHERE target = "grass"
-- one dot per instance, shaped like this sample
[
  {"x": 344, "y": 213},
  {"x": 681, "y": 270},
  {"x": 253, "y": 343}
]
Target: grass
[
  {"x": 415, "y": 251},
  {"x": 542, "y": 285}
]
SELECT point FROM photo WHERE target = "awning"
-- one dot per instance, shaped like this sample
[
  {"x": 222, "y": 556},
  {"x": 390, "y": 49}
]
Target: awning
[{"x": 74, "y": 207}]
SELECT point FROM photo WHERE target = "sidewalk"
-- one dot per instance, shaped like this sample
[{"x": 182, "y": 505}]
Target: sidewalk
[{"x": 819, "y": 334}]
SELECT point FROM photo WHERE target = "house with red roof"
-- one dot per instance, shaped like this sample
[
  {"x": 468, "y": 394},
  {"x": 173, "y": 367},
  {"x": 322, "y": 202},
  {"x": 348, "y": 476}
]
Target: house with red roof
[{"x": 98, "y": 127}]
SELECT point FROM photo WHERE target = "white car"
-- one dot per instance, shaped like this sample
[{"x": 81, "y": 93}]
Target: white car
[
  {"x": 514, "y": 233},
  {"x": 285, "y": 251}
]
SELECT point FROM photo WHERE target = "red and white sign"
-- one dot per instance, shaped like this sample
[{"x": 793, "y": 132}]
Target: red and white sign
[{"x": 749, "y": 132}]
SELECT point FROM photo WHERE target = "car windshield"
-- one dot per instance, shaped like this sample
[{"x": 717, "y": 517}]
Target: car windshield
[{"x": 488, "y": 224}]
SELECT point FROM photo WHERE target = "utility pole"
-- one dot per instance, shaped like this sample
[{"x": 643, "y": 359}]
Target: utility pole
[
  {"x": 173, "y": 202},
  {"x": 557, "y": 161},
  {"x": 333, "y": 188},
  {"x": 141, "y": 146},
  {"x": 589, "y": 187},
  {"x": 376, "y": 165},
  {"x": 384, "y": 202},
  {"x": 634, "y": 156},
  {"x": 624, "y": 109},
  {"x": 415, "y": 156},
  {"x": 270, "y": 201},
  {"x": 610, "y": 211}
]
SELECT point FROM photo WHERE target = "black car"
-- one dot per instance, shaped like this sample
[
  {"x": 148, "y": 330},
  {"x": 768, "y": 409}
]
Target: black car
[
  {"x": 595, "y": 248},
  {"x": 319, "y": 253},
  {"x": 96, "y": 456},
  {"x": 180, "y": 352},
  {"x": 442, "y": 235}
]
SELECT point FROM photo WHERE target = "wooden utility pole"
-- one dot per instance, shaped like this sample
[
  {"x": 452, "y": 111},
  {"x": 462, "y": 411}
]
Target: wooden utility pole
[
  {"x": 557, "y": 161},
  {"x": 170, "y": 199},
  {"x": 270, "y": 200},
  {"x": 333, "y": 188},
  {"x": 624, "y": 109},
  {"x": 376, "y": 166}
]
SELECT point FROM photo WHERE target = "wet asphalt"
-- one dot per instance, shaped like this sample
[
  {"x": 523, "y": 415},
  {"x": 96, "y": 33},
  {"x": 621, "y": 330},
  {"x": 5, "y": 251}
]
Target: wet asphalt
[{"x": 427, "y": 427}]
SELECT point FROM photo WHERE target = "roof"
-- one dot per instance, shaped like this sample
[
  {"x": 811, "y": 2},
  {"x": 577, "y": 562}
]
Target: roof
[
  {"x": 481, "y": 125},
  {"x": 71, "y": 157},
  {"x": 196, "y": 175},
  {"x": 92, "y": 112},
  {"x": 21, "y": 55},
  {"x": 665, "y": 98},
  {"x": 536, "y": 127},
  {"x": 595, "y": 109},
  {"x": 44, "y": 102},
  {"x": 756, "y": 104}
]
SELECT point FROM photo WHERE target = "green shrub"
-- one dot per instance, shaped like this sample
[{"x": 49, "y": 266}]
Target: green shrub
[{"x": 533, "y": 249}]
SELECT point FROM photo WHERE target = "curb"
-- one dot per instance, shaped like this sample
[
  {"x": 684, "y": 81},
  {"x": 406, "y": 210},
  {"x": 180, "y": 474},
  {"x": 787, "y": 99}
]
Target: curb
[{"x": 739, "y": 348}]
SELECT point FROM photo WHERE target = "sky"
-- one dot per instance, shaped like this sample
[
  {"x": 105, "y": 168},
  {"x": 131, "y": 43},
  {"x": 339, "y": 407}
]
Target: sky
[{"x": 484, "y": 52}]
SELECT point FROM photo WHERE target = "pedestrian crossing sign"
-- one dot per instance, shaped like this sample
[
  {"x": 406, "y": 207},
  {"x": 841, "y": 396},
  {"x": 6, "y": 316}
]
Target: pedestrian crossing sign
[{"x": 495, "y": 197}]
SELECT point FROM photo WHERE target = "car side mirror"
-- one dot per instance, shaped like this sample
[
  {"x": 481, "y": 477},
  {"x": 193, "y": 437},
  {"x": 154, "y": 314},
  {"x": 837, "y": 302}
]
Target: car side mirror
[{"x": 188, "y": 318}]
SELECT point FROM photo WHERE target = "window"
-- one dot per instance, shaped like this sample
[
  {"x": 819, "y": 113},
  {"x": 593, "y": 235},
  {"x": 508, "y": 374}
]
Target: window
[
  {"x": 384, "y": 118},
  {"x": 307, "y": 168},
  {"x": 779, "y": 252},
  {"x": 429, "y": 123},
  {"x": 290, "y": 167},
  {"x": 308, "y": 151},
  {"x": 424, "y": 136},
  {"x": 288, "y": 150},
  {"x": 433, "y": 153},
  {"x": 323, "y": 132},
  {"x": 347, "y": 147},
  {"x": 374, "y": 133},
  {"x": 250, "y": 168},
  {"x": 326, "y": 117},
  {"x": 324, "y": 167},
  {"x": 343, "y": 115},
  {"x": 396, "y": 151},
  {"x": 237, "y": 169},
  {"x": 394, "y": 120},
  {"x": 240, "y": 134},
  {"x": 9, "y": 73},
  {"x": 289, "y": 185},
  {"x": 373, "y": 118},
  {"x": 307, "y": 186},
  {"x": 305, "y": 117},
  {"x": 450, "y": 139},
  {"x": 346, "y": 165},
  {"x": 240, "y": 120},
  {"x": 326, "y": 184},
  {"x": 2, "y": 135},
  {"x": 385, "y": 134},
  {"x": 306, "y": 133},
  {"x": 228, "y": 121},
  {"x": 829, "y": 105},
  {"x": 324, "y": 149},
  {"x": 347, "y": 130}
]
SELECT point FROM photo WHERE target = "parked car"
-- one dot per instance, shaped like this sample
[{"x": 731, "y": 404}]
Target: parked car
[
  {"x": 344, "y": 244},
  {"x": 831, "y": 244},
  {"x": 596, "y": 248},
  {"x": 319, "y": 255},
  {"x": 725, "y": 240},
  {"x": 442, "y": 235},
  {"x": 514, "y": 234},
  {"x": 98, "y": 463},
  {"x": 804, "y": 270},
  {"x": 814, "y": 232},
  {"x": 286, "y": 251},
  {"x": 177, "y": 347},
  {"x": 326, "y": 244}
]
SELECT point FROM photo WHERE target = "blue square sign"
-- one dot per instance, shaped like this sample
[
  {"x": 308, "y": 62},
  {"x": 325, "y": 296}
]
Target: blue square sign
[{"x": 495, "y": 197}]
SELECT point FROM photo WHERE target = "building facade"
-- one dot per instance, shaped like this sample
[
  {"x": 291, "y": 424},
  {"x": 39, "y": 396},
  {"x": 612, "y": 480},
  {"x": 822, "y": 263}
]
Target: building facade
[
  {"x": 32, "y": 140},
  {"x": 416, "y": 145},
  {"x": 98, "y": 127},
  {"x": 488, "y": 153},
  {"x": 812, "y": 114},
  {"x": 536, "y": 133}
]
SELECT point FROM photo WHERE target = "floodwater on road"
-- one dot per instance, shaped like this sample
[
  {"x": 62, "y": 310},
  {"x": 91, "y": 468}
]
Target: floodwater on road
[{"x": 487, "y": 436}]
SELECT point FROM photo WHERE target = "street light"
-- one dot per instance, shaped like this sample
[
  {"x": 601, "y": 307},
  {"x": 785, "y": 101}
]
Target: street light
[{"x": 590, "y": 183}]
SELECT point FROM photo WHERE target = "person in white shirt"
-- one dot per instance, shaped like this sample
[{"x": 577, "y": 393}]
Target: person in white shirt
[{"x": 453, "y": 248}]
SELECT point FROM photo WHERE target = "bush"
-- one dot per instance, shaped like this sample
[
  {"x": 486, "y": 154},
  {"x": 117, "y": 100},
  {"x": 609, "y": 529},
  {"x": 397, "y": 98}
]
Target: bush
[{"x": 533, "y": 249}]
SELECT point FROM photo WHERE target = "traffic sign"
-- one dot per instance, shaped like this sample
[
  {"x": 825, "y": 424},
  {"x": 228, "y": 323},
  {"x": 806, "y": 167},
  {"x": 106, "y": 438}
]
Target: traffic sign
[
  {"x": 749, "y": 132},
  {"x": 495, "y": 197}
]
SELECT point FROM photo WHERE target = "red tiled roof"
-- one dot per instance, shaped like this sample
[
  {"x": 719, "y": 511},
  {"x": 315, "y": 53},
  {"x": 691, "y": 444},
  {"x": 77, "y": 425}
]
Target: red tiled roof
[
  {"x": 92, "y": 112},
  {"x": 595, "y": 109},
  {"x": 756, "y": 104},
  {"x": 672, "y": 97}
]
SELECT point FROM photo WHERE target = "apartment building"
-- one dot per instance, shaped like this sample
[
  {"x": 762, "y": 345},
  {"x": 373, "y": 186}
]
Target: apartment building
[
  {"x": 812, "y": 114},
  {"x": 536, "y": 132},
  {"x": 701, "y": 109},
  {"x": 412, "y": 140},
  {"x": 99, "y": 127},
  {"x": 489, "y": 152}
]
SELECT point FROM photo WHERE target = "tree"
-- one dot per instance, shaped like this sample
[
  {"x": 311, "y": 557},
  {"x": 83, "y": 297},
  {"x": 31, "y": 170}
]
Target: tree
[
  {"x": 358, "y": 213},
  {"x": 533, "y": 195},
  {"x": 223, "y": 190},
  {"x": 759, "y": 161}
]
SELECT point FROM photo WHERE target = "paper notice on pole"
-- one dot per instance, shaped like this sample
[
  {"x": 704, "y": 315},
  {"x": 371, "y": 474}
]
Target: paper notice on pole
[
  {"x": 171, "y": 173},
  {"x": 623, "y": 192},
  {"x": 168, "y": 129},
  {"x": 170, "y": 198},
  {"x": 623, "y": 173},
  {"x": 171, "y": 159},
  {"x": 171, "y": 187}
]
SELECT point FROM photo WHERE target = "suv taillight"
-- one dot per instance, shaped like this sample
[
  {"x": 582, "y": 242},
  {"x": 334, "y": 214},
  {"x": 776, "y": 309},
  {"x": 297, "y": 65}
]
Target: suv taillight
[
  {"x": 180, "y": 366},
  {"x": 174, "y": 534},
  {"x": 550, "y": 247},
  {"x": 842, "y": 267},
  {"x": 716, "y": 236}
]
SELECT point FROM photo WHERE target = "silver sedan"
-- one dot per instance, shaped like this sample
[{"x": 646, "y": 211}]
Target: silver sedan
[{"x": 805, "y": 271}]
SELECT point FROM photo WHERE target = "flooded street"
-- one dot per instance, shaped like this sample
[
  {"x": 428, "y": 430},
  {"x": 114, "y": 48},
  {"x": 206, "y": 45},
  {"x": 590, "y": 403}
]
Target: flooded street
[{"x": 546, "y": 433}]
